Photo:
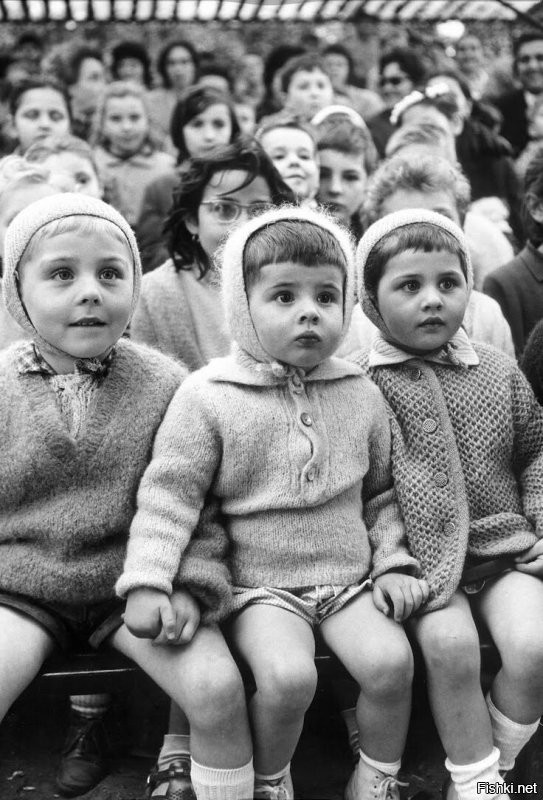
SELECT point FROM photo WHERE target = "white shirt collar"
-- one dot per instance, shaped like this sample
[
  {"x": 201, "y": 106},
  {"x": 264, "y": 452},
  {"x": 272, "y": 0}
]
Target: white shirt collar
[{"x": 457, "y": 352}]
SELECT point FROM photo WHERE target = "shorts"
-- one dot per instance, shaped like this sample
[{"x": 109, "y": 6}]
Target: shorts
[
  {"x": 475, "y": 578},
  {"x": 312, "y": 603},
  {"x": 72, "y": 627}
]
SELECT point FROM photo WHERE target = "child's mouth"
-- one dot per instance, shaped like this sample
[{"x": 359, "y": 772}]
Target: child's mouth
[{"x": 87, "y": 322}]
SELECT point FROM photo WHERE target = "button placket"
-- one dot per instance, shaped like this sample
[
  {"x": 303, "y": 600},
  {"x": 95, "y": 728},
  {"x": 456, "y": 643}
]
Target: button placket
[{"x": 306, "y": 425}]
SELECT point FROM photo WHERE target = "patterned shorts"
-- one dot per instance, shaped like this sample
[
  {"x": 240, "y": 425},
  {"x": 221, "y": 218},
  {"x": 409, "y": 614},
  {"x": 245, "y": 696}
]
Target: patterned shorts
[{"x": 312, "y": 603}]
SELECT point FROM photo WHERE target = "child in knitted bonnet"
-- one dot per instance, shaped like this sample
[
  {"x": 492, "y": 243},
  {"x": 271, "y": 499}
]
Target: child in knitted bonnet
[
  {"x": 80, "y": 407},
  {"x": 295, "y": 443},
  {"x": 468, "y": 468}
]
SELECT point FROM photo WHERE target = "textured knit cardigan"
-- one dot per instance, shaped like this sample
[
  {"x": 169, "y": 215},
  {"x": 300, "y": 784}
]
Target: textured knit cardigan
[
  {"x": 467, "y": 451},
  {"x": 66, "y": 505},
  {"x": 300, "y": 462}
]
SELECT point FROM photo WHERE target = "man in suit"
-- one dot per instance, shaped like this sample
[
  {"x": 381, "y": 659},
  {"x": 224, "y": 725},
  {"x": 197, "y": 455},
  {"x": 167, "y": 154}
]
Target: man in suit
[{"x": 515, "y": 106}]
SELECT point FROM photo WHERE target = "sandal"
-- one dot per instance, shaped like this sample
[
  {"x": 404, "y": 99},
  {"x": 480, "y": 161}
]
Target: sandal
[{"x": 174, "y": 782}]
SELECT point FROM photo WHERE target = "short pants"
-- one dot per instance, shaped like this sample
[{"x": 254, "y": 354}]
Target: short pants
[
  {"x": 71, "y": 627},
  {"x": 312, "y": 603}
]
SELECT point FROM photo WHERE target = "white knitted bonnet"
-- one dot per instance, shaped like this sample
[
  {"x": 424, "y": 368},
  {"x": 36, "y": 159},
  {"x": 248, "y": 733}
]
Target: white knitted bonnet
[
  {"x": 30, "y": 220},
  {"x": 388, "y": 224},
  {"x": 235, "y": 301}
]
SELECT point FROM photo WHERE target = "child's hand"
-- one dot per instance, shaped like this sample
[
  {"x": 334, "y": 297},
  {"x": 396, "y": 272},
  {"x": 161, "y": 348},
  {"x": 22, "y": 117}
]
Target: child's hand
[
  {"x": 531, "y": 561},
  {"x": 148, "y": 613},
  {"x": 399, "y": 595},
  {"x": 187, "y": 618}
]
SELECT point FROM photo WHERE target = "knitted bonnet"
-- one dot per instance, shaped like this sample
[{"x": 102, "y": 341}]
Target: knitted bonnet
[
  {"x": 388, "y": 224},
  {"x": 30, "y": 220},
  {"x": 235, "y": 300}
]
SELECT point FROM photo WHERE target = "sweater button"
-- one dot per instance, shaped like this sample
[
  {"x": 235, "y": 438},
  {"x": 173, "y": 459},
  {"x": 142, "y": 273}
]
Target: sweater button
[
  {"x": 306, "y": 419},
  {"x": 415, "y": 374},
  {"x": 310, "y": 474},
  {"x": 429, "y": 425},
  {"x": 449, "y": 528},
  {"x": 440, "y": 479}
]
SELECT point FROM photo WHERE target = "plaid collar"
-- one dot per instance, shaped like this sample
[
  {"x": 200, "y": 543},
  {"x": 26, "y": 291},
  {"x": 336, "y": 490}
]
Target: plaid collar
[{"x": 30, "y": 360}]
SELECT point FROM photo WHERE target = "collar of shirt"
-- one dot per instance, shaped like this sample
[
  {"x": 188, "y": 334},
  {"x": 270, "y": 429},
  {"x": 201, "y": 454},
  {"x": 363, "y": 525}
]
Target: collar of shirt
[
  {"x": 30, "y": 360},
  {"x": 456, "y": 352}
]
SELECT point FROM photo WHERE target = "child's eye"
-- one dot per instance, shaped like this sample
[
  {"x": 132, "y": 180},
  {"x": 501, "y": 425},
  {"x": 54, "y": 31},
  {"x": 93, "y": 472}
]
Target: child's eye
[
  {"x": 410, "y": 286},
  {"x": 56, "y": 116},
  {"x": 326, "y": 298},
  {"x": 284, "y": 297},
  {"x": 110, "y": 274},
  {"x": 448, "y": 283},
  {"x": 62, "y": 274},
  {"x": 31, "y": 114}
]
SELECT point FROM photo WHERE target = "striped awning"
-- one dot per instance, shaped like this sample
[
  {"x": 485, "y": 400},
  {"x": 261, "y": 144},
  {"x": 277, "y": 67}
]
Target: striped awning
[{"x": 261, "y": 10}]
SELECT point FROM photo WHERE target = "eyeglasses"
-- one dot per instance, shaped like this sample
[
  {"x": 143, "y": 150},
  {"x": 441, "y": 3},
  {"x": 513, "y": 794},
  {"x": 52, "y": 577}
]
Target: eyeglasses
[
  {"x": 230, "y": 211},
  {"x": 394, "y": 80}
]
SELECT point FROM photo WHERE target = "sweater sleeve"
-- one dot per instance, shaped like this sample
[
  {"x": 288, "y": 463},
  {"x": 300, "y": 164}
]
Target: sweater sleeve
[
  {"x": 528, "y": 449},
  {"x": 171, "y": 495},
  {"x": 381, "y": 508}
]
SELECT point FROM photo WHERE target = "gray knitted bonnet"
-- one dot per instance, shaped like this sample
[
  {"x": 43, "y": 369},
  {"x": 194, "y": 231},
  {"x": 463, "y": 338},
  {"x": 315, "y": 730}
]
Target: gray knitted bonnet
[{"x": 34, "y": 217}]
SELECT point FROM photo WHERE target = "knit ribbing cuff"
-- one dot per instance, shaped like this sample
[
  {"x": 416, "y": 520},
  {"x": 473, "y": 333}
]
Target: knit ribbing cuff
[
  {"x": 395, "y": 563},
  {"x": 139, "y": 580}
]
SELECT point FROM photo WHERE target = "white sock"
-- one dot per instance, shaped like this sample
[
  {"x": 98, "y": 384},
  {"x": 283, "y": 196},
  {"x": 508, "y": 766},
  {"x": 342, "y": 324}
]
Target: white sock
[
  {"x": 174, "y": 746},
  {"x": 259, "y": 778},
  {"x": 349, "y": 718},
  {"x": 509, "y": 737},
  {"x": 467, "y": 778},
  {"x": 222, "y": 784},
  {"x": 90, "y": 706},
  {"x": 384, "y": 767}
]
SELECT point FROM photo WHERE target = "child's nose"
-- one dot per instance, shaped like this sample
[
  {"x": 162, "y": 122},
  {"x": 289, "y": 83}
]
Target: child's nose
[
  {"x": 309, "y": 313},
  {"x": 432, "y": 298},
  {"x": 334, "y": 185},
  {"x": 90, "y": 292}
]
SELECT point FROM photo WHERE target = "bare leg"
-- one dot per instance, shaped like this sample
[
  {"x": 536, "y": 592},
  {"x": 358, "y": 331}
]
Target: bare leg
[
  {"x": 512, "y": 607},
  {"x": 450, "y": 646},
  {"x": 24, "y": 646},
  {"x": 203, "y": 679},
  {"x": 279, "y": 647},
  {"x": 377, "y": 653}
]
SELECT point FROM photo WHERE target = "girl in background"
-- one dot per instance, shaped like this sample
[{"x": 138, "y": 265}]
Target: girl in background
[
  {"x": 70, "y": 161},
  {"x": 38, "y": 108},
  {"x": 201, "y": 121},
  {"x": 292, "y": 147},
  {"x": 126, "y": 156}
]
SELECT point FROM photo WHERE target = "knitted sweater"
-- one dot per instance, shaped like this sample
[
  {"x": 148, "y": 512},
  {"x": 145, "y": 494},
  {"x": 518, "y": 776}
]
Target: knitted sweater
[
  {"x": 467, "y": 462},
  {"x": 66, "y": 504},
  {"x": 181, "y": 316},
  {"x": 300, "y": 464}
]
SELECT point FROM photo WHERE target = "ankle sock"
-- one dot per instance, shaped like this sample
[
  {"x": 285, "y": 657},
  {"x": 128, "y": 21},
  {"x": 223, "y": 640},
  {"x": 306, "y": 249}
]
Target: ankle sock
[
  {"x": 222, "y": 784},
  {"x": 383, "y": 766},
  {"x": 509, "y": 736},
  {"x": 90, "y": 706},
  {"x": 174, "y": 746},
  {"x": 468, "y": 777},
  {"x": 260, "y": 778},
  {"x": 349, "y": 718}
]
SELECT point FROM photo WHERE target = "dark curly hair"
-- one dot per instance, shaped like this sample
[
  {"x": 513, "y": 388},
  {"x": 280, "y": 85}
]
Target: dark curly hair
[{"x": 244, "y": 154}]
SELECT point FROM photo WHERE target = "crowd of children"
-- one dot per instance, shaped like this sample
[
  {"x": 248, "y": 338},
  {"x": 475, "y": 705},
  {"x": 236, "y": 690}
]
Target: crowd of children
[{"x": 302, "y": 422}]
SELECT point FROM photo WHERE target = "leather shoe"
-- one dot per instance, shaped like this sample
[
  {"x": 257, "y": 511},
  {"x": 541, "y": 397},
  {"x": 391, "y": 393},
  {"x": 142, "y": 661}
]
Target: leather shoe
[{"x": 83, "y": 762}]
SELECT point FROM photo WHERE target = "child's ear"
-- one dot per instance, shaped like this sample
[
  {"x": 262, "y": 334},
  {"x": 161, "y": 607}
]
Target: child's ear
[
  {"x": 535, "y": 207},
  {"x": 191, "y": 224}
]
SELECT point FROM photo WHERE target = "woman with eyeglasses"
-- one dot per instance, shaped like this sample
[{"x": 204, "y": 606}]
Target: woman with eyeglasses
[
  {"x": 400, "y": 71},
  {"x": 180, "y": 312}
]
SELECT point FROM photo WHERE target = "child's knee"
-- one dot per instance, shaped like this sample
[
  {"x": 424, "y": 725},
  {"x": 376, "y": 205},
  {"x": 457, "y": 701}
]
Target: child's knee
[
  {"x": 289, "y": 684},
  {"x": 523, "y": 659},
  {"x": 453, "y": 654},
  {"x": 213, "y": 693},
  {"x": 391, "y": 671}
]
